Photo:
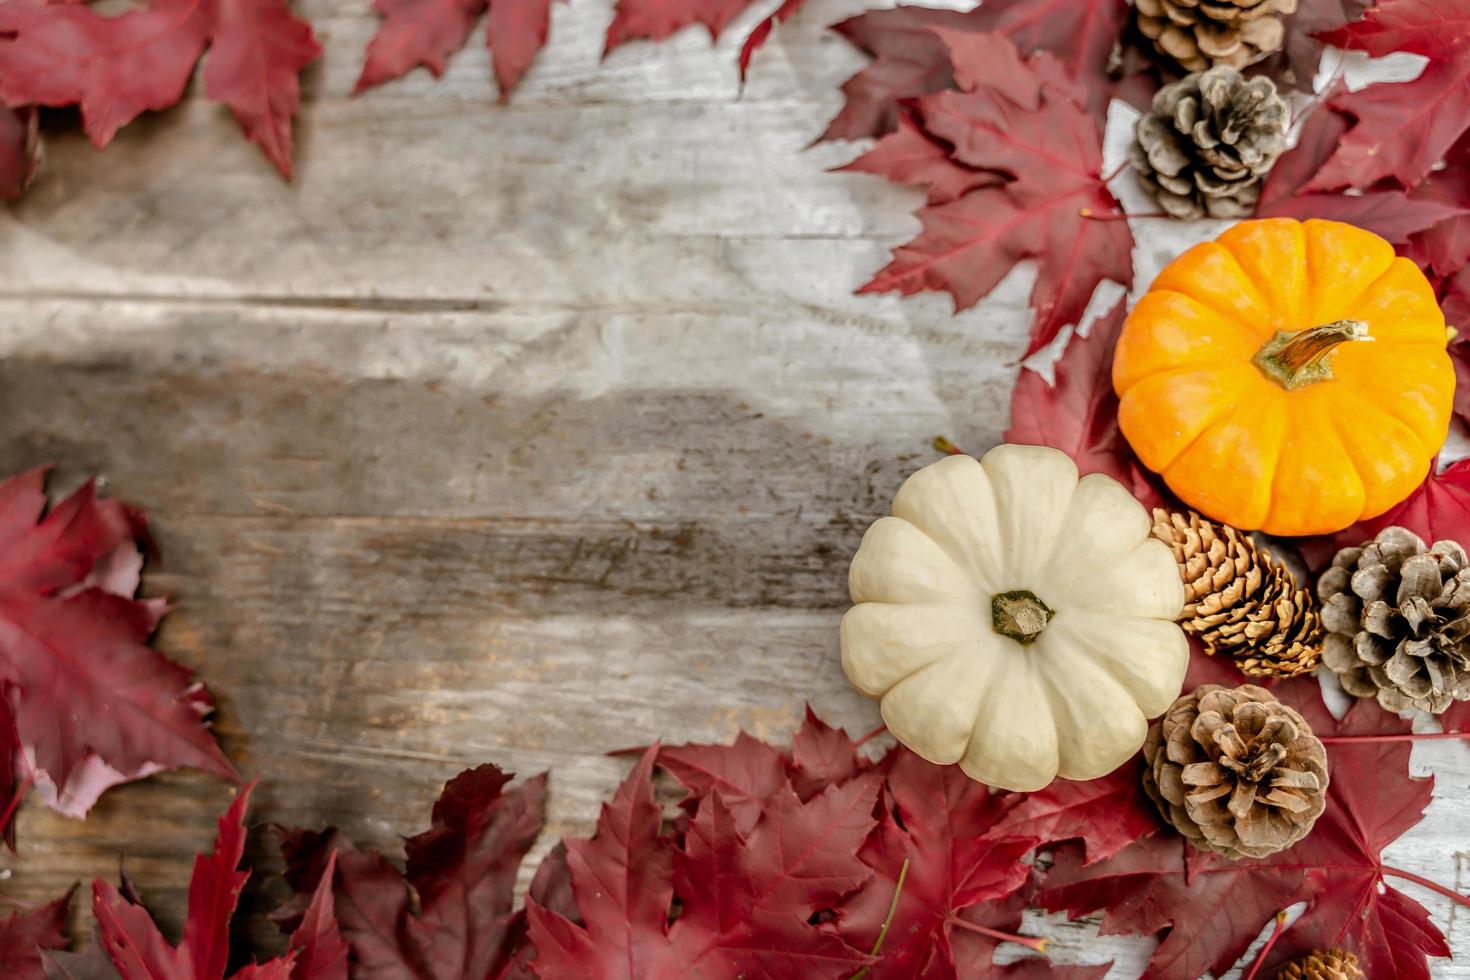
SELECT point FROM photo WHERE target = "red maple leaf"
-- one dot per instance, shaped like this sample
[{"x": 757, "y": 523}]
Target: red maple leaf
[
  {"x": 1106, "y": 814},
  {"x": 1443, "y": 252},
  {"x": 1402, "y": 129},
  {"x": 462, "y": 871},
  {"x": 936, "y": 834},
  {"x": 116, "y": 68},
  {"x": 749, "y": 772},
  {"x": 1396, "y": 215},
  {"x": 910, "y": 61},
  {"x": 425, "y": 33},
  {"x": 1210, "y": 909},
  {"x": 255, "y": 59},
  {"x": 1079, "y": 413},
  {"x": 91, "y": 704},
  {"x": 1016, "y": 118},
  {"x": 25, "y": 933},
  {"x": 138, "y": 951},
  {"x": 911, "y": 156},
  {"x": 657, "y": 19},
  {"x": 746, "y": 899},
  {"x": 1439, "y": 510}
]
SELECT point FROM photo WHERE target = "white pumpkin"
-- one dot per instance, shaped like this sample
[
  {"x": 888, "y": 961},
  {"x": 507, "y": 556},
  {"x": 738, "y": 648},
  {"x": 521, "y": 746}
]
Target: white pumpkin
[{"x": 1015, "y": 619}]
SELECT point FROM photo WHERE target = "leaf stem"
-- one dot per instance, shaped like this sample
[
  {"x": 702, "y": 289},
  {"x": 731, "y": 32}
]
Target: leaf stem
[
  {"x": 20, "y": 792},
  {"x": 943, "y": 444},
  {"x": 870, "y": 736},
  {"x": 1405, "y": 737},
  {"x": 1433, "y": 886},
  {"x": 1266, "y": 949},
  {"x": 903, "y": 872},
  {"x": 1091, "y": 215},
  {"x": 1029, "y": 942}
]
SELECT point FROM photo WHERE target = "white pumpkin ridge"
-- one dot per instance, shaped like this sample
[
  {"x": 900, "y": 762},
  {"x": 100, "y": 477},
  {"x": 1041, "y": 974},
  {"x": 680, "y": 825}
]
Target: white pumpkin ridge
[{"x": 921, "y": 637}]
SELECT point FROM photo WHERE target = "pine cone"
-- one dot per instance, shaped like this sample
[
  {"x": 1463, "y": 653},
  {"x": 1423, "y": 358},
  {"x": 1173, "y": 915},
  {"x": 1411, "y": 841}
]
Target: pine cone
[
  {"x": 1207, "y": 142},
  {"x": 1323, "y": 964},
  {"x": 1399, "y": 616},
  {"x": 1240, "y": 600},
  {"x": 1236, "y": 771},
  {"x": 1202, "y": 34}
]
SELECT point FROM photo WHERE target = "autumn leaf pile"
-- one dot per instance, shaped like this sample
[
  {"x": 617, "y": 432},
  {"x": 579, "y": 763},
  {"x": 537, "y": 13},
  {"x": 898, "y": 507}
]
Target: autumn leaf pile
[{"x": 997, "y": 114}]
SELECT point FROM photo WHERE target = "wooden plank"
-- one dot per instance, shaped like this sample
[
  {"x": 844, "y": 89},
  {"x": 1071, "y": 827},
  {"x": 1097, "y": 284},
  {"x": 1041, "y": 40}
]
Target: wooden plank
[{"x": 512, "y": 434}]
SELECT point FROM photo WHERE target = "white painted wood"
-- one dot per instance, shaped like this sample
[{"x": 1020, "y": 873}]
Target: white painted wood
[{"x": 511, "y": 434}]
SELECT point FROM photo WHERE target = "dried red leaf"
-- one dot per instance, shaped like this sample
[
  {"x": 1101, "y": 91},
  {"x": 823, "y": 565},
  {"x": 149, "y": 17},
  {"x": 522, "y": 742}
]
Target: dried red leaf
[
  {"x": 214, "y": 891},
  {"x": 910, "y": 156},
  {"x": 1402, "y": 129},
  {"x": 1016, "y": 118},
  {"x": 1438, "y": 510},
  {"x": 416, "y": 33},
  {"x": 1079, "y": 414},
  {"x": 1394, "y": 214},
  {"x": 910, "y": 61},
  {"x": 424, "y": 33},
  {"x": 1211, "y": 909},
  {"x": 658, "y": 19},
  {"x": 1106, "y": 814},
  {"x": 92, "y": 703},
  {"x": 25, "y": 933},
  {"x": 321, "y": 953},
  {"x": 943, "y": 824},
  {"x": 255, "y": 59},
  {"x": 822, "y": 756},
  {"x": 515, "y": 34},
  {"x": 746, "y": 774},
  {"x": 1081, "y": 34},
  {"x": 462, "y": 869},
  {"x": 116, "y": 68},
  {"x": 746, "y": 899},
  {"x": 138, "y": 951}
]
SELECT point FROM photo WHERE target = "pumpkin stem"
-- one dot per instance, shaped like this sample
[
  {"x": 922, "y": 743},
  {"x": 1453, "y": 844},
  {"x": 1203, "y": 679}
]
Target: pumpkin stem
[
  {"x": 1295, "y": 360},
  {"x": 1019, "y": 615}
]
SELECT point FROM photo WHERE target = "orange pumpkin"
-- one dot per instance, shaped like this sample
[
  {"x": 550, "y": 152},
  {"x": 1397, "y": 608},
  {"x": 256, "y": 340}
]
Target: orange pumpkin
[{"x": 1287, "y": 376}]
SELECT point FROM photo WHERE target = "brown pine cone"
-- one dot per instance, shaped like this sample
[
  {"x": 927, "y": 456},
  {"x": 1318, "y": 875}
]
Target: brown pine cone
[
  {"x": 1202, "y": 34},
  {"x": 1399, "y": 616},
  {"x": 1236, "y": 771},
  {"x": 1240, "y": 600},
  {"x": 1322, "y": 964},
  {"x": 1207, "y": 142}
]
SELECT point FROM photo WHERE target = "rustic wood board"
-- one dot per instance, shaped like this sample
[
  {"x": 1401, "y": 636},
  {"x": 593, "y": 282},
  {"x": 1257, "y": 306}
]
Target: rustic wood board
[{"x": 506, "y": 433}]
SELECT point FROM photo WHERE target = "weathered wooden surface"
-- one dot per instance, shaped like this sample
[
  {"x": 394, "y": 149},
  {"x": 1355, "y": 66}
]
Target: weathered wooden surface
[{"x": 511, "y": 434}]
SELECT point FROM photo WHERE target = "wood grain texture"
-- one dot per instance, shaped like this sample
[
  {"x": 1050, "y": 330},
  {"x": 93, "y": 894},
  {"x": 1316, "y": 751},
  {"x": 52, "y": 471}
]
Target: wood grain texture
[{"x": 513, "y": 434}]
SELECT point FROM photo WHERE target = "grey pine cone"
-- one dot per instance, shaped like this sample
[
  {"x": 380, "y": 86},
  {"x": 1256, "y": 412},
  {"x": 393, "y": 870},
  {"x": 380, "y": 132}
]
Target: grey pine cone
[
  {"x": 1399, "y": 619},
  {"x": 1208, "y": 141},
  {"x": 1202, "y": 34}
]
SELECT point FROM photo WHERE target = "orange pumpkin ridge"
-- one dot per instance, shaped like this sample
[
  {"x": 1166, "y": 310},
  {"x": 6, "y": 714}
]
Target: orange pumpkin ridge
[{"x": 1289, "y": 376}]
